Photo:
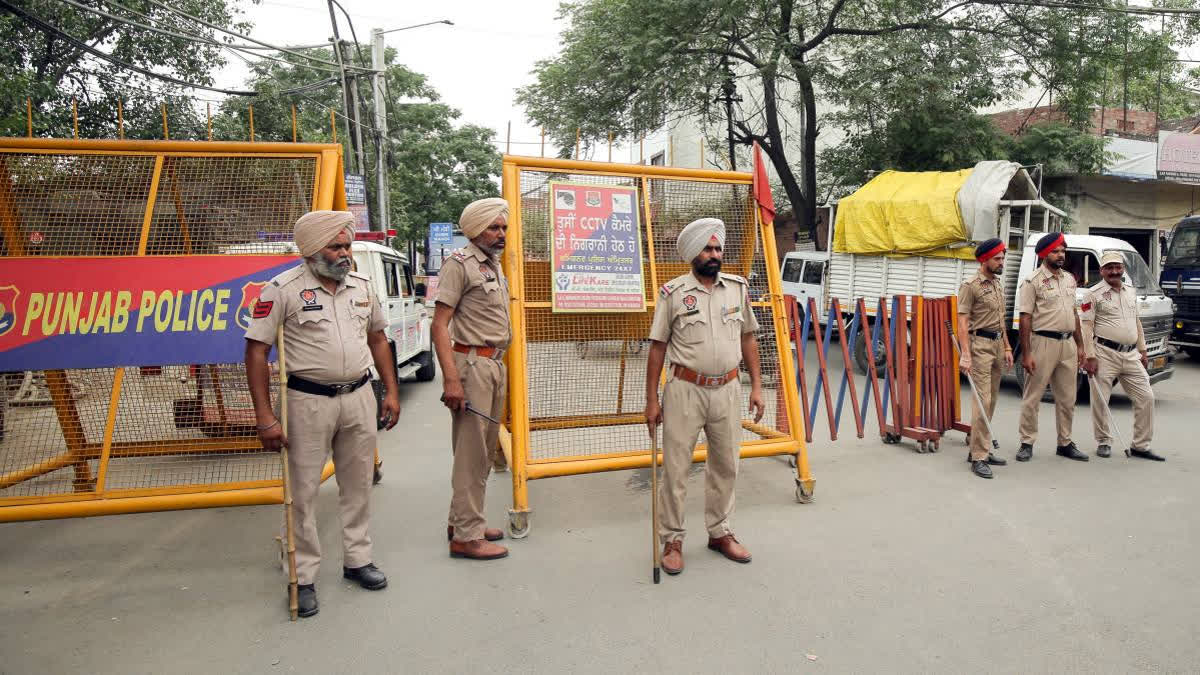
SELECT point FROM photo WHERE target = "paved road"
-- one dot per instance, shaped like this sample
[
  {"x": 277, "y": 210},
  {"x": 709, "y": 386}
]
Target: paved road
[{"x": 904, "y": 563}]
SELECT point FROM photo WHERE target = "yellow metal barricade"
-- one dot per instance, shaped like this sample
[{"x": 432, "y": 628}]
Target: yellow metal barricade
[
  {"x": 577, "y": 380},
  {"x": 131, "y": 439}
]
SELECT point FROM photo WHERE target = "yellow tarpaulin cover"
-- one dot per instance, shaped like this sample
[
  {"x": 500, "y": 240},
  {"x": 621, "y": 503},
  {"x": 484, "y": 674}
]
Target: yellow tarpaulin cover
[{"x": 904, "y": 213}]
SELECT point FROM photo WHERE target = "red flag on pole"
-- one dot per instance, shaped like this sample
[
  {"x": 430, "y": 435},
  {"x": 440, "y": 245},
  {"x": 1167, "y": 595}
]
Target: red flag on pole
[{"x": 762, "y": 188}]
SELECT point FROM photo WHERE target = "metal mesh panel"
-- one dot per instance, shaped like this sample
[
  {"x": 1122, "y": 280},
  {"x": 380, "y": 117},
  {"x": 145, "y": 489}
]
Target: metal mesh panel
[
  {"x": 64, "y": 204},
  {"x": 174, "y": 426},
  {"x": 207, "y": 203},
  {"x": 585, "y": 373},
  {"x": 53, "y": 424},
  {"x": 187, "y": 425}
]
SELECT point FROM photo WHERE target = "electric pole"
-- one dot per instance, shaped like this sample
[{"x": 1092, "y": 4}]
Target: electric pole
[
  {"x": 729, "y": 96},
  {"x": 381, "y": 138},
  {"x": 349, "y": 95}
]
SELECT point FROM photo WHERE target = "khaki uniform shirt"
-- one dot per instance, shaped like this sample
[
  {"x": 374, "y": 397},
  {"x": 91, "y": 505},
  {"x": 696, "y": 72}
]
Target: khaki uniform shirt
[
  {"x": 324, "y": 335},
  {"x": 472, "y": 283},
  {"x": 703, "y": 329},
  {"x": 1113, "y": 314},
  {"x": 982, "y": 301},
  {"x": 1049, "y": 299}
]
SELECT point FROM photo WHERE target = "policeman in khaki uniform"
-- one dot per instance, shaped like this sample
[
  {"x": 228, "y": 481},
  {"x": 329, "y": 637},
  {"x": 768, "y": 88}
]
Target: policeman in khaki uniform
[
  {"x": 471, "y": 332},
  {"x": 1049, "y": 324},
  {"x": 1116, "y": 350},
  {"x": 704, "y": 323},
  {"x": 332, "y": 332},
  {"x": 983, "y": 342}
]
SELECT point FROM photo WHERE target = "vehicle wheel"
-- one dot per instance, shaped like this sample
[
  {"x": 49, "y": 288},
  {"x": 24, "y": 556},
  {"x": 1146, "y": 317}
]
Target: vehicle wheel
[
  {"x": 428, "y": 366},
  {"x": 860, "y": 354},
  {"x": 1193, "y": 352}
]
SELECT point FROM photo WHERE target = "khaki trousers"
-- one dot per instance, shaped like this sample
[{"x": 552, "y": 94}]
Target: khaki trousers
[
  {"x": 1127, "y": 368},
  {"x": 987, "y": 367},
  {"x": 346, "y": 426},
  {"x": 484, "y": 382},
  {"x": 688, "y": 408},
  {"x": 1055, "y": 362}
]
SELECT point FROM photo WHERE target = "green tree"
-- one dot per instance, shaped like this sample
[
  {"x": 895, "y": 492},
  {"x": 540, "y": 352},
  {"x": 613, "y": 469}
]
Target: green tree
[
  {"x": 51, "y": 70},
  {"x": 434, "y": 166},
  {"x": 629, "y": 66}
]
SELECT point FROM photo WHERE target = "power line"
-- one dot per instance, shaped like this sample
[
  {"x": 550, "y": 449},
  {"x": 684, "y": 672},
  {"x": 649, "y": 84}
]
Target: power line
[
  {"x": 214, "y": 26},
  {"x": 1146, "y": 11},
  {"x": 182, "y": 36},
  {"x": 51, "y": 30}
]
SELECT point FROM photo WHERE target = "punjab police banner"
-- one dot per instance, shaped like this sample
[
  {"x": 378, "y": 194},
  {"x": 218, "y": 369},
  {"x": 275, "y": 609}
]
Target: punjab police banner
[
  {"x": 597, "y": 256},
  {"x": 123, "y": 311}
]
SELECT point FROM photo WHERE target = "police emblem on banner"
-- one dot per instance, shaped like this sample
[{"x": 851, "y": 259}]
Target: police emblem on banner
[
  {"x": 250, "y": 293},
  {"x": 8, "y": 308}
]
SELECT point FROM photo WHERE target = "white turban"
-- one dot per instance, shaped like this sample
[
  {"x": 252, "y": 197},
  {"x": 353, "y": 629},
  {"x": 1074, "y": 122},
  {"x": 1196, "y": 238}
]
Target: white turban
[
  {"x": 693, "y": 238},
  {"x": 315, "y": 229},
  {"x": 480, "y": 213}
]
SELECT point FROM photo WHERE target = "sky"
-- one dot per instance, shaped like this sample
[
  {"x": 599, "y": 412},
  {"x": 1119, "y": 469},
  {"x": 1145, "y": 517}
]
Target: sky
[{"x": 476, "y": 64}]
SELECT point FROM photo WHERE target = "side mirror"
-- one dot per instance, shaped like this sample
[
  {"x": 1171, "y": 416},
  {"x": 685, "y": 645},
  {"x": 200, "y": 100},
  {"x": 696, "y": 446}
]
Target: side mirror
[{"x": 419, "y": 290}]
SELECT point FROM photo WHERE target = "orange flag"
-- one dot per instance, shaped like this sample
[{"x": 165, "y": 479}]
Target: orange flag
[{"x": 762, "y": 188}]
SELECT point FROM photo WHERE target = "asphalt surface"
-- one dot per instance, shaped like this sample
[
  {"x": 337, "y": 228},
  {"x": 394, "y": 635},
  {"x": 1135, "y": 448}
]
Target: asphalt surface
[{"x": 904, "y": 563}]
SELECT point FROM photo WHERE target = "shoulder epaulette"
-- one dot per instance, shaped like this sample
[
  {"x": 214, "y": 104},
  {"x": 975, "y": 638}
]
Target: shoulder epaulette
[
  {"x": 460, "y": 254},
  {"x": 734, "y": 277},
  {"x": 287, "y": 276},
  {"x": 358, "y": 275},
  {"x": 671, "y": 286}
]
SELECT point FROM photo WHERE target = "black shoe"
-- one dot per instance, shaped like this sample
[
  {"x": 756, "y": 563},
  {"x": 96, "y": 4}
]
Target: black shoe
[
  {"x": 1144, "y": 454},
  {"x": 981, "y": 468},
  {"x": 307, "y": 599},
  {"x": 1103, "y": 451},
  {"x": 996, "y": 461},
  {"x": 1071, "y": 452},
  {"x": 368, "y": 576},
  {"x": 1025, "y": 452}
]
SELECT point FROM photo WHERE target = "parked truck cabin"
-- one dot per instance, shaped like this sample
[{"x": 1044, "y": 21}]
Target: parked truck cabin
[{"x": 1181, "y": 281}]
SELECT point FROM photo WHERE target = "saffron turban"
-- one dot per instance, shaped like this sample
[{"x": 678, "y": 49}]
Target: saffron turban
[
  {"x": 315, "y": 229},
  {"x": 693, "y": 238},
  {"x": 480, "y": 214}
]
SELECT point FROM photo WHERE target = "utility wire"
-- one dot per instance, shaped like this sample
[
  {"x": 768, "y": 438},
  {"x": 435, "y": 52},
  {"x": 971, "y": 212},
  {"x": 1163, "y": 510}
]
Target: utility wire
[
  {"x": 182, "y": 36},
  {"x": 214, "y": 26},
  {"x": 51, "y": 30}
]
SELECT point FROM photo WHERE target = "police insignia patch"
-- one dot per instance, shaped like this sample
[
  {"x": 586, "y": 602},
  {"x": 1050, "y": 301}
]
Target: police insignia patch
[
  {"x": 309, "y": 296},
  {"x": 262, "y": 309},
  {"x": 689, "y": 301}
]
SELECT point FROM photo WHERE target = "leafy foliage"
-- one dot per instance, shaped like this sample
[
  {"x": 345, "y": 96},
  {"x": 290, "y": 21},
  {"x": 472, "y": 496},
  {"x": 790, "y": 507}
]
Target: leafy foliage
[
  {"x": 50, "y": 71},
  {"x": 434, "y": 167},
  {"x": 903, "y": 76}
]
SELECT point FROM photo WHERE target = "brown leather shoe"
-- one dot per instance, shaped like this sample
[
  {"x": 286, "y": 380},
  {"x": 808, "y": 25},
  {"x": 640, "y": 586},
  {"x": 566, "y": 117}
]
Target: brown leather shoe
[
  {"x": 477, "y": 549},
  {"x": 729, "y": 547},
  {"x": 672, "y": 557},
  {"x": 489, "y": 533}
]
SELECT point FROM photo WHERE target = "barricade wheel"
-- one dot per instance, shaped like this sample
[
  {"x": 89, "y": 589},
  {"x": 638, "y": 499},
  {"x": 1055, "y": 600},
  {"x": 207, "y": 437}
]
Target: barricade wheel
[
  {"x": 891, "y": 439},
  {"x": 518, "y": 525},
  {"x": 802, "y": 496},
  {"x": 792, "y": 461},
  {"x": 922, "y": 447},
  {"x": 934, "y": 446}
]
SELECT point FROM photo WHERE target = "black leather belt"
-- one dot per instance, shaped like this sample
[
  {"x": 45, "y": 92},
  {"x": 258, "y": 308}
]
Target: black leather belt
[
  {"x": 310, "y": 387},
  {"x": 1053, "y": 334},
  {"x": 1117, "y": 346},
  {"x": 989, "y": 334}
]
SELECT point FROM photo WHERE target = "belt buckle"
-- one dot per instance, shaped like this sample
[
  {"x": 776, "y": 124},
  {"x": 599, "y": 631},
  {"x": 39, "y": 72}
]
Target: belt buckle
[
  {"x": 709, "y": 381},
  {"x": 340, "y": 389}
]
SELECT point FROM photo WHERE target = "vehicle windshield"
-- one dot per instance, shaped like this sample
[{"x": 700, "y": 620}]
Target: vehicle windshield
[
  {"x": 1138, "y": 273},
  {"x": 1185, "y": 246}
]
